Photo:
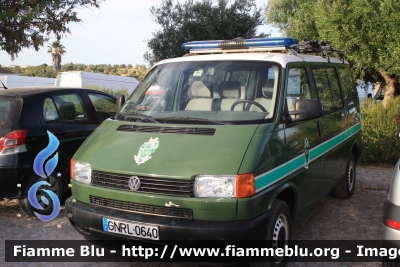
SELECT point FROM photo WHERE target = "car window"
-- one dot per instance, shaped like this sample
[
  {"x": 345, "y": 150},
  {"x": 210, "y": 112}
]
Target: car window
[
  {"x": 327, "y": 84},
  {"x": 297, "y": 87},
  {"x": 348, "y": 85},
  {"x": 50, "y": 112},
  {"x": 224, "y": 91},
  {"x": 105, "y": 106},
  {"x": 70, "y": 107}
]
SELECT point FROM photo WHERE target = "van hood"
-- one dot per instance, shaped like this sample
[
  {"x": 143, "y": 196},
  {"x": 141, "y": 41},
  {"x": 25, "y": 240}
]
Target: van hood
[{"x": 147, "y": 150}]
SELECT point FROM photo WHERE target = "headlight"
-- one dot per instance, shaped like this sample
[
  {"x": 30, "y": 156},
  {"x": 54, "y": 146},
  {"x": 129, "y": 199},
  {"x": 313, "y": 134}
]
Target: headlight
[
  {"x": 215, "y": 186},
  {"x": 81, "y": 171}
]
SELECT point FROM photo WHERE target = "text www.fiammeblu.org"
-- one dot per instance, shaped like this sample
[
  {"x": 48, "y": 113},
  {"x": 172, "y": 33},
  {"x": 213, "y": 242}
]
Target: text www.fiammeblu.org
[{"x": 233, "y": 251}]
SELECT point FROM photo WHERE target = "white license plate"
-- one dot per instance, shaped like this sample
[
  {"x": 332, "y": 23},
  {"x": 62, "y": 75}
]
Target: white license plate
[{"x": 142, "y": 230}]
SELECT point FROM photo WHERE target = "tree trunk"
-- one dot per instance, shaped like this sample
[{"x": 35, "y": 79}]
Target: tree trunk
[
  {"x": 377, "y": 85},
  {"x": 390, "y": 87}
]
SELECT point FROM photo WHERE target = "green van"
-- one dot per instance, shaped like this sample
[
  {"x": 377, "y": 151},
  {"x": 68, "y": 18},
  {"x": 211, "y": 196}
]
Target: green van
[{"x": 243, "y": 138}]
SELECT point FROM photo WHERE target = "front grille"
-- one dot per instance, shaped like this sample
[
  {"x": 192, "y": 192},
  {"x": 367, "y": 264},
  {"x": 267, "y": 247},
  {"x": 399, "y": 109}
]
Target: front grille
[
  {"x": 142, "y": 208},
  {"x": 172, "y": 187},
  {"x": 167, "y": 130}
]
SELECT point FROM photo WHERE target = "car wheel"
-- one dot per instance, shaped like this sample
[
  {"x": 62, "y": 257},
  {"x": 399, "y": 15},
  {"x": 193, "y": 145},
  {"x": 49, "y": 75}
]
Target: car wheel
[
  {"x": 279, "y": 232},
  {"x": 345, "y": 187},
  {"x": 56, "y": 186}
]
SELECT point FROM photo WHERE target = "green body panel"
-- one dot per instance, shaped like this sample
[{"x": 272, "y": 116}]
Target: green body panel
[
  {"x": 214, "y": 209},
  {"x": 179, "y": 156}
]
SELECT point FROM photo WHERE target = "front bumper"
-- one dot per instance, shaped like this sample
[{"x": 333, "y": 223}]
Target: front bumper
[{"x": 87, "y": 219}]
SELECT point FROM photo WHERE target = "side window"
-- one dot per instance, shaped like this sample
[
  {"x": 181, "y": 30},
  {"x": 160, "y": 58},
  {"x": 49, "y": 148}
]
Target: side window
[
  {"x": 105, "y": 106},
  {"x": 328, "y": 88},
  {"x": 70, "y": 107},
  {"x": 297, "y": 87},
  {"x": 241, "y": 76},
  {"x": 348, "y": 85},
  {"x": 49, "y": 110}
]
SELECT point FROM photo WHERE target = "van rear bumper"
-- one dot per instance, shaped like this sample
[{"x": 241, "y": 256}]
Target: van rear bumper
[{"x": 88, "y": 221}]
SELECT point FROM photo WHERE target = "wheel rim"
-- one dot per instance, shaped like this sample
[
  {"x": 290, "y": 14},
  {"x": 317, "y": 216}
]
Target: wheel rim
[
  {"x": 42, "y": 196},
  {"x": 350, "y": 177},
  {"x": 280, "y": 236}
]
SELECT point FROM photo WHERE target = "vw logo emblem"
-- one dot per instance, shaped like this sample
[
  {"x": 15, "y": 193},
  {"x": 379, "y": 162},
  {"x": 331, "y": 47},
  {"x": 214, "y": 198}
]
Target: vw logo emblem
[{"x": 134, "y": 183}]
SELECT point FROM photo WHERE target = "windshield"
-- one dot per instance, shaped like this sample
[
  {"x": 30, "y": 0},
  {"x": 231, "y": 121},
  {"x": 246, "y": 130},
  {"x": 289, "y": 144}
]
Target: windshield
[{"x": 232, "y": 92}]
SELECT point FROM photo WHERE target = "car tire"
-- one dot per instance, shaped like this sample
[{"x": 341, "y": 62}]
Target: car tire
[
  {"x": 345, "y": 188},
  {"x": 279, "y": 233},
  {"x": 56, "y": 186}
]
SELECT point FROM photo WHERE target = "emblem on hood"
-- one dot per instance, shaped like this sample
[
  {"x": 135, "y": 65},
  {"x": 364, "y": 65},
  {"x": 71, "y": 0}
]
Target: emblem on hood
[{"x": 145, "y": 150}]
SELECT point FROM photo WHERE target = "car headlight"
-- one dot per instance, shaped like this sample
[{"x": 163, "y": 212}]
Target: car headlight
[
  {"x": 215, "y": 186},
  {"x": 81, "y": 171},
  {"x": 239, "y": 186}
]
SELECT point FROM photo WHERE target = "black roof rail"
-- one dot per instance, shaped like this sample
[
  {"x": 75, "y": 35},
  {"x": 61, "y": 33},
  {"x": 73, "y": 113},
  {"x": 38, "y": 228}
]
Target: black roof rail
[{"x": 313, "y": 46}]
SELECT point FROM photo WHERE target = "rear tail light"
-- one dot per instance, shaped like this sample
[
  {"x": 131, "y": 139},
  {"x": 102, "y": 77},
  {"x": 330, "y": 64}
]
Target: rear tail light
[
  {"x": 13, "y": 142},
  {"x": 393, "y": 224}
]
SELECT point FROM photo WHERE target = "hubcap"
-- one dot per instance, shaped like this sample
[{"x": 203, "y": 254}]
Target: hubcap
[
  {"x": 350, "y": 176},
  {"x": 281, "y": 234}
]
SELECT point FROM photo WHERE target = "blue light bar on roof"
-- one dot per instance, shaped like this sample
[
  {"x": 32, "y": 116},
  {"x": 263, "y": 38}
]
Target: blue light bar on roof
[{"x": 240, "y": 43}]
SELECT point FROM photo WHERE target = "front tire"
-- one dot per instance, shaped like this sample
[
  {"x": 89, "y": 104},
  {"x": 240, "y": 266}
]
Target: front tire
[
  {"x": 345, "y": 188},
  {"x": 56, "y": 186},
  {"x": 279, "y": 233}
]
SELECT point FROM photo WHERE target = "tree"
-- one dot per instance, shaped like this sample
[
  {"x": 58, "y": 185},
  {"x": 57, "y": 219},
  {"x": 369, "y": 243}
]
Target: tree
[
  {"x": 138, "y": 72},
  {"x": 29, "y": 24},
  {"x": 368, "y": 31},
  {"x": 200, "y": 20},
  {"x": 56, "y": 49}
]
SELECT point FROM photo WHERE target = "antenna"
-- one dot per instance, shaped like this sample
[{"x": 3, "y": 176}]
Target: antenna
[{"x": 5, "y": 87}]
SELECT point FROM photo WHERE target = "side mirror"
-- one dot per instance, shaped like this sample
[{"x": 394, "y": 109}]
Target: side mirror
[
  {"x": 120, "y": 101},
  {"x": 306, "y": 109}
]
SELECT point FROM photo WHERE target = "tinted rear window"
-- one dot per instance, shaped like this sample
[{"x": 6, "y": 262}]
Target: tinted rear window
[{"x": 10, "y": 108}]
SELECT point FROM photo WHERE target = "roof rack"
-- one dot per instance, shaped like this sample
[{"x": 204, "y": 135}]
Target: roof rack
[
  {"x": 313, "y": 46},
  {"x": 272, "y": 44}
]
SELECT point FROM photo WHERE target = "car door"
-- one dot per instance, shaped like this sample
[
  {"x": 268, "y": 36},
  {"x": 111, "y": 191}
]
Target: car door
[
  {"x": 333, "y": 123},
  {"x": 65, "y": 114},
  {"x": 301, "y": 137},
  {"x": 101, "y": 105}
]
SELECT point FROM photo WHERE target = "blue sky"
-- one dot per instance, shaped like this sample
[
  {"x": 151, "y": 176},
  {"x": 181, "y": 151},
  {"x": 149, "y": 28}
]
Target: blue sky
[{"x": 113, "y": 34}]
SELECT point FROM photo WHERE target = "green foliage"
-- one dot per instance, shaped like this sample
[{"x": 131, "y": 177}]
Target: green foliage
[
  {"x": 38, "y": 71},
  {"x": 200, "y": 20},
  {"x": 122, "y": 91},
  {"x": 368, "y": 31},
  {"x": 29, "y": 24},
  {"x": 380, "y": 132},
  {"x": 138, "y": 72}
]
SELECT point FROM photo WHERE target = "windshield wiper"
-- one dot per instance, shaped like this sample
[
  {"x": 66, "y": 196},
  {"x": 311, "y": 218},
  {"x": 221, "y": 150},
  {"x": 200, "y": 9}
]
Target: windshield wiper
[
  {"x": 180, "y": 118},
  {"x": 143, "y": 116}
]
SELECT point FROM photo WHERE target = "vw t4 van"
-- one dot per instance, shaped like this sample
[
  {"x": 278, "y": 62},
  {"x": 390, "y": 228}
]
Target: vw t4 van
[{"x": 243, "y": 138}]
